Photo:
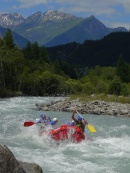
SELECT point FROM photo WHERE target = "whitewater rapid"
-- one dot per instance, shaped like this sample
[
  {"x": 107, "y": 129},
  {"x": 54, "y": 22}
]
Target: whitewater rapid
[{"x": 109, "y": 151}]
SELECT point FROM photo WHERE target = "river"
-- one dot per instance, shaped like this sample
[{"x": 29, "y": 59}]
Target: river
[{"x": 108, "y": 152}]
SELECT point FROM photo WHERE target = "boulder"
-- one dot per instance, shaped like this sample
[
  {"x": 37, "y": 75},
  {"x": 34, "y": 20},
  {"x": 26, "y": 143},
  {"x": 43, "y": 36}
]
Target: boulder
[
  {"x": 9, "y": 164},
  {"x": 31, "y": 167}
]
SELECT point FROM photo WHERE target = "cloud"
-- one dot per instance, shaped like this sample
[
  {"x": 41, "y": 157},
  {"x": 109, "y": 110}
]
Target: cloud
[
  {"x": 126, "y": 5},
  {"x": 31, "y": 3},
  {"x": 96, "y": 7}
]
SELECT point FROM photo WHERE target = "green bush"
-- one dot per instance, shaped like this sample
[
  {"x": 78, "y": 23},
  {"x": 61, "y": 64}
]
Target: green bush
[
  {"x": 88, "y": 89},
  {"x": 124, "y": 91},
  {"x": 73, "y": 86},
  {"x": 115, "y": 86},
  {"x": 101, "y": 87},
  {"x": 5, "y": 93}
]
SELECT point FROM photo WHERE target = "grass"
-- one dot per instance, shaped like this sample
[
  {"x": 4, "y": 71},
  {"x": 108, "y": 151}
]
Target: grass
[{"x": 101, "y": 97}]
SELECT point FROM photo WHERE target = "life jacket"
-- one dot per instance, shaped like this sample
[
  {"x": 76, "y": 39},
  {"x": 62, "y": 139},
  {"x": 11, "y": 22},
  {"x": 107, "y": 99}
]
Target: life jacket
[
  {"x": 80, "y": 125},
  {"x": 52, "y": 123}
]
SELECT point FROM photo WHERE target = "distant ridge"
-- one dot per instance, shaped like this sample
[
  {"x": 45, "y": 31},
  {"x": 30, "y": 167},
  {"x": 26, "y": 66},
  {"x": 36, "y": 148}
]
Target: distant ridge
[{"x": 55, "y": 28}]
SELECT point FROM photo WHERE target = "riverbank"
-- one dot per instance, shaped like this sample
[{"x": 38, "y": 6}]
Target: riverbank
[{"x": 95, "y": 107}]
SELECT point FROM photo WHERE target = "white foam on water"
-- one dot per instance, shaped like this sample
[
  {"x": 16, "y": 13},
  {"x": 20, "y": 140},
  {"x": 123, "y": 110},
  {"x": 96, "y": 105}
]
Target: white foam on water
[{"x": 108, "y": 152}]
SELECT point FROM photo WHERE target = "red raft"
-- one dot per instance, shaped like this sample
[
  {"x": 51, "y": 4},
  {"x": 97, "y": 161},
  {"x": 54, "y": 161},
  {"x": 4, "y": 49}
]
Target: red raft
[{"x": 67, "y": 132}]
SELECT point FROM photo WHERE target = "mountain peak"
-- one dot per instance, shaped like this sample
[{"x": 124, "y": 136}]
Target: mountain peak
[
  {"x": 91, "y": 17},
  {"x": 57, "y": 15},
  {"x": 35, "y": 18},
  {"x": 11, "y": 19},
  {"x": 49, "y": 12}
]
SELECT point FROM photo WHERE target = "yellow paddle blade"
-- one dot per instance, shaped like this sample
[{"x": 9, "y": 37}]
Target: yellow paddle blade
[{"x": 91, "y": 128}]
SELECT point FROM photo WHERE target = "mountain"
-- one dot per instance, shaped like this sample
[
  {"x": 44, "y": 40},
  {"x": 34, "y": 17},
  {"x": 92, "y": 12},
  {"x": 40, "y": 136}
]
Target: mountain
[
  {"x": 9, "y": 20},
  {"x": 54, "y": 27},
  {"x": 89, "y": 29},
  {"x": 118, "y": 29},
  {"x": 18, "y": 40},
  {"x": 43, "y": 27}
]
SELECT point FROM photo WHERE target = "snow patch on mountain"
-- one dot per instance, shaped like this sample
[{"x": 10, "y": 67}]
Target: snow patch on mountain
[{"x": 11, "y": 19}]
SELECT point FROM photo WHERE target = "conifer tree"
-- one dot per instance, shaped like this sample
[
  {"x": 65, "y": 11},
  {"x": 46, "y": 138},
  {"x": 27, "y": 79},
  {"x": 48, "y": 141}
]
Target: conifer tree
[
  {"x": 27, "y": 51},
  {"x": 35, "y": 51},
  {"x": 123, "y": 70},
  {"x": 8, "y": 39}
]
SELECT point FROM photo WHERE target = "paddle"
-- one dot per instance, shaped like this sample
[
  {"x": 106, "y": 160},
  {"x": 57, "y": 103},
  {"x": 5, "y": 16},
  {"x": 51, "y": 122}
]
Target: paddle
[
  {"x": 28, "y": 123},
  {"x": 90, "y": 127}
]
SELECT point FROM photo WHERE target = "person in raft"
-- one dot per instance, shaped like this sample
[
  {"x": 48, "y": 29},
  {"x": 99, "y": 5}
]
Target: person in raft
[
  {"x": 43, "y": 119},
  {"x": 81, "y": 123},
  {"x": 72, "y": 123},
  {"x": 54, "y": 121}
]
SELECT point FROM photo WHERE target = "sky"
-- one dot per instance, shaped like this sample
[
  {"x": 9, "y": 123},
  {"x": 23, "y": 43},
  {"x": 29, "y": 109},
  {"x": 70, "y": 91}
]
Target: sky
[{"x": 112, "y": 13}]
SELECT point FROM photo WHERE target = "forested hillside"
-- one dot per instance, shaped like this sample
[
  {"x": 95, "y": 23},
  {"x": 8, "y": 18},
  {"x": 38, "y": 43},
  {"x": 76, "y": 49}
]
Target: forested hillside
[
  {"x": 31, "y": 72},
  {"x": 104, "y": 52}
]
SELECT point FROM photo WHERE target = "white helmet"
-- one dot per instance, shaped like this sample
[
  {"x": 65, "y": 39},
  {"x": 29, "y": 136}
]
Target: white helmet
[{"x": 55, "y": 119}]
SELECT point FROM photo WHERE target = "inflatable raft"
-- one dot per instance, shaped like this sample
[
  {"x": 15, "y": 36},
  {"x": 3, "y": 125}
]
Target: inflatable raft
[{"x": 67, "y": 132}]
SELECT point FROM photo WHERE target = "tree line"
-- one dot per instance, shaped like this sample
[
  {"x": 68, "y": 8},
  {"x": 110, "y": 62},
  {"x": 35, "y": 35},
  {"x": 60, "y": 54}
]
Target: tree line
[
  {"x": 104, "y": 52},
  {"x": 31, "y": 72}
]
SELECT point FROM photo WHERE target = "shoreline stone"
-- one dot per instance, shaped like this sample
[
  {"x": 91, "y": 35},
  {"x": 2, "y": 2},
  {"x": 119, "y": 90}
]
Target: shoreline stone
[
  {"x": 9, "y": 164},
  {"x": 96, "y": 107}
]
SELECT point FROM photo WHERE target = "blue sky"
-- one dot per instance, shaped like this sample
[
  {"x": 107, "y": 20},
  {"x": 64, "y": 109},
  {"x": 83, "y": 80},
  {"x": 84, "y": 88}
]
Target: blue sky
[{"x": 113, "y": 13}]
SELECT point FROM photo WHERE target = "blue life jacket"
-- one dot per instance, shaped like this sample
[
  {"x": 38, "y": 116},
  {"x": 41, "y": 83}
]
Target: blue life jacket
[
  {"x": 72, "y": 124},
  {"x": 52, "y": 123}
]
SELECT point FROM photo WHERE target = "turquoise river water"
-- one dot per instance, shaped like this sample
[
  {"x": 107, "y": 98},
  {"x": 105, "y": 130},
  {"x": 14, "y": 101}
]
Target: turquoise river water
[{"x": 109, "y": 151}]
